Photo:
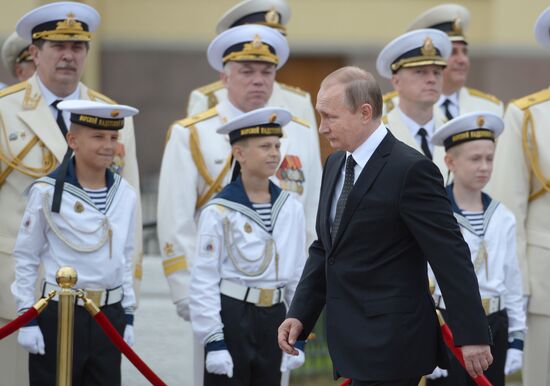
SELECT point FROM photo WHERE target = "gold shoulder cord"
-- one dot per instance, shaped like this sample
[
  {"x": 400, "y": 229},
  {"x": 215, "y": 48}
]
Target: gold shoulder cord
[
  {"x": 216, "y": 186},
  {"x": 530, "y": 148}
]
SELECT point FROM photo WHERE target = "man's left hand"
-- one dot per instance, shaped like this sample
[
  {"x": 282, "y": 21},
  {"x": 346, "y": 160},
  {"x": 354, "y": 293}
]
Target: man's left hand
[{"x": 477, "y": 359}]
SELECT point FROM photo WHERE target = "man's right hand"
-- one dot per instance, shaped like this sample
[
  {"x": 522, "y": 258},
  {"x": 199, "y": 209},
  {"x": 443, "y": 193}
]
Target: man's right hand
[
  {"x": 477, "y": 359},
  {"x": 182, "y": 308},
  {"x": 219, "y": 362},
  {"x": 288, "y": 334},
  {"x": 32, "y": 340}
]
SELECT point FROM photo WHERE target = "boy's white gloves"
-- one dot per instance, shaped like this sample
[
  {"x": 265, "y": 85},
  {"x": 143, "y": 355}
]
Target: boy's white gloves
[
  {"x": 514, "y": 361},
  {"x": 182, "y": 308},
  {"x": 129, "y": 335},
  {"x": 438, "y": 373},
  {"x": 32, "y": 340},
  {"x": 219, "y": 362},
  {"x": 291, "y": 362}
]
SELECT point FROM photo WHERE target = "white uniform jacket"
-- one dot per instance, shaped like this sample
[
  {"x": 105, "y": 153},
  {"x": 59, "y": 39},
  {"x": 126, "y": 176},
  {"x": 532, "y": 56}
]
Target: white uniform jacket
[
  {"x": 521, "y": 180},
  {"x": 31, "y": 146},
  {"x": 98, "y": 245},
  {"x": 196, "y": 165},
  {"x": 400, "y": 130},
  {"x": 498, "y": 275},
  {"x": 233, "y": 244},
  {"x": 469, "y": 101}
]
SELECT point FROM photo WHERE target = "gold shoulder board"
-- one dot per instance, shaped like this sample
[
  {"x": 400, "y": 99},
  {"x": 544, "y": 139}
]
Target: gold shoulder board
[
  {"x": 194, "y": 119},
  {"x": 301, "y": 121},
  {"x": 481, "y": 94},
  {"x": 210, "y": 88},
  {"x": 13, "y": 89},
  {"x": 97, "y": 95},
  {"x": 385, "y": 120},
  {"x": 389, "y": 96},
  {"x": 294, "y": 89},
  {"x": 532, "y": 99}
]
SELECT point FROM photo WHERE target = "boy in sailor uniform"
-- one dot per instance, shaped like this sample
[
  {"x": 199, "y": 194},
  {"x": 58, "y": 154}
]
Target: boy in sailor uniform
[
  {"x": 249, "y": 257},
  {"x": 489, "y": 228},
  {"x": 88, "y": 224}
]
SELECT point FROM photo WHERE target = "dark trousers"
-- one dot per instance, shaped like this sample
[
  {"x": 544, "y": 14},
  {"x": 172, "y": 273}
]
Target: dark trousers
[
  {"x": 498, "y": 321},
  {"x": 96, "y": 361},
  {"x": 405, "y": 382},
  {"x": 251, "y": 337}
]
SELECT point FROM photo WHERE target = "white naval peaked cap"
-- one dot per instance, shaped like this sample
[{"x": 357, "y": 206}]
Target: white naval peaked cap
[
  {"x": 265, "y": 121},
  {"x": 453, "y": 19},
  {"x": 97, "y": 115},
  {"x": 542, "y": 28},
  {"x": 271, "y": 13},
  {"x": 247, "y": 43},
  {"x": 420, "y": 47},
  {"x": 14, "y": 51},
  {"x": 60, "y": 21},
  {"x": 469, "y": 127}
]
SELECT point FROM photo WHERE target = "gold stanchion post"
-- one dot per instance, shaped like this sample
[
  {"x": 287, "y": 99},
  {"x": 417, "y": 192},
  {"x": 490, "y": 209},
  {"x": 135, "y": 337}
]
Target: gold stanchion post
[{"x": 66, "y": 278}]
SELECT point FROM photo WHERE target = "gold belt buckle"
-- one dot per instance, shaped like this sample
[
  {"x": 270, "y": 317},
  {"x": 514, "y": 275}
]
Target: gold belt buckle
[
  {"x": 95, "y": 296},
  {"x": 486, "y": 303},
  {"x": 266, "y": 297}
]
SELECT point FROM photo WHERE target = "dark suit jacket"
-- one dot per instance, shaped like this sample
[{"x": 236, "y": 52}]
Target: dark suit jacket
[{"x": 372, "y": 277}]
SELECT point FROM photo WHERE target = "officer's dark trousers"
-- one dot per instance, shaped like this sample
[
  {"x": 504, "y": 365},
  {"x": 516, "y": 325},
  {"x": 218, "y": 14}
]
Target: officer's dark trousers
[
  {"x": 251, "y": 337},
  {"x": 498, "y": 321},
  {"x": 405, "y": 382},
  {"x": 96, "y": 361}
]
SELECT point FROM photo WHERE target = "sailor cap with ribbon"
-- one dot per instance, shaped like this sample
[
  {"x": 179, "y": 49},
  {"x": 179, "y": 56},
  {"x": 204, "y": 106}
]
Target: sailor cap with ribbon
[
  {"x": 15, "y": 50},
  {"x": 542, "y": 28},
  {"x": 271, "y": 13},
  {"x": 453, "y": 19},
  {"x": 97, "y": 115},
  {"x": 248, "y": 43},
  {"x": 60, "y": 21},
  {"x": 92, "y": 114},
  {"x": 469, "y": 127},
  {"x": 421, "y": 47},
  {"x": 263, "y": 122}
]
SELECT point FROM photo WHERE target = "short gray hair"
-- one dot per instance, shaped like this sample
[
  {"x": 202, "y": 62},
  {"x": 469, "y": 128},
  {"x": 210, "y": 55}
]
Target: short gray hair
[{"x": 360, "y": 88}]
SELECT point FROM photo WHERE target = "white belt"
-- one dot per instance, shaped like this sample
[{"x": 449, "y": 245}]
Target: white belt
[
  {"x": 490, "y": 305},
  {"x": 101, "y": 297},
  {"x": 261, "y": 297}
]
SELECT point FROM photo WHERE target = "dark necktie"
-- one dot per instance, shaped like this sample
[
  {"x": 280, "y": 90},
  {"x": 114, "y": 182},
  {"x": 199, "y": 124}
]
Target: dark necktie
[
  {"x": 349, "y": 179},
  {"x": 59, "y": 118},
  {"x": 448, "y": 114},
  {"x": 424, "y": 142}
]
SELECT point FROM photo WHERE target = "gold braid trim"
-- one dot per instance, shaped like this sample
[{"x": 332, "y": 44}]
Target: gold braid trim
[
  {"x": 16, "y": 163},
  {"x": 530, "y": 149},
  {"x": 216, "y": 186},
  {"x": 194, "y": 145}
]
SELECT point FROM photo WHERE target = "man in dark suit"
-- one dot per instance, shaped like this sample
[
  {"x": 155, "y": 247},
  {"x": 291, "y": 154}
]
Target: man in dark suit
[{"x": 383, "y": 213}]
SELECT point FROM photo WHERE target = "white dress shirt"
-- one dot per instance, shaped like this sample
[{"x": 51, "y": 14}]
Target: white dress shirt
[
  {"x": 361, "y": 155},
  {"x": 50, "y": 97},
  {"x": 414, "y": 127},
  {"x": 454, "y": 107}
]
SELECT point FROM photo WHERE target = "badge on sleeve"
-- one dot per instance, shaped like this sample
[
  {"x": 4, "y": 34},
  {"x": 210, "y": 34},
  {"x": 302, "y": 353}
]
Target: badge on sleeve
[{"x": 209, "y": 246}]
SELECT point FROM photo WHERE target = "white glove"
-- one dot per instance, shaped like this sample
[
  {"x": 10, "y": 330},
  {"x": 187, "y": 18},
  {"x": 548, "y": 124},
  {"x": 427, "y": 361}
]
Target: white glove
[
  {"x": 219, "y": 362},
  {"x": 32, "y": 340},
  {"x": 182, "y": 308},
  {"x": 291, "y": 362},
  {"x": 514, "y": 361},
  {"x": 129, "y": 335},
  {"x": 438, "y": 373}
]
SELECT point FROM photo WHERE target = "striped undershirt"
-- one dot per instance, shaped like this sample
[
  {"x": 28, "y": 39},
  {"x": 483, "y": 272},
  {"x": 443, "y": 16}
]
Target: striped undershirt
[
  {"x": 98, "y": 197},
  {"x": 475, "y": 218},
  {"x": 264, "y": 210}
]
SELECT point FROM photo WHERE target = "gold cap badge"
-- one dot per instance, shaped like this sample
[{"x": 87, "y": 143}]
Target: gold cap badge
[
  {"x": 115, "y": 113},
  {"x": 272, "y": 16},
  {"x": 428, "y": 48},
  {"x": 480, "y": 121}
]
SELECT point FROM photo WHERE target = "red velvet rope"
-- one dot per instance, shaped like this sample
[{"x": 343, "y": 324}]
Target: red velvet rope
[
  {"x": 17, "y": 323},
  {"x": 123, "y": 347},
  {"x": 457, "y": 352}
]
